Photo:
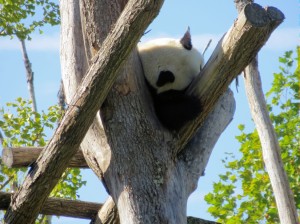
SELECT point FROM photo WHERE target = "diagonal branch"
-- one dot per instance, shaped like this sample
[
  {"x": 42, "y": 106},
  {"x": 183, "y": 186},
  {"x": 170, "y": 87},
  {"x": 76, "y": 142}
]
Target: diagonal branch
[
  {"x": 233, "y": 53},
  {"x": 47, "y": 170}
]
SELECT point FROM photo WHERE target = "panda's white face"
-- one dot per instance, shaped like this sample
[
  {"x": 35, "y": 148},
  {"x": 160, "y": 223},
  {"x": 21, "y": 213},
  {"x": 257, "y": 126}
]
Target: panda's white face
[{"x": 168, "y": 64}]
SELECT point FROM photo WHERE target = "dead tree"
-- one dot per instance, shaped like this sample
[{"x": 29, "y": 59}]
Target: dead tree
[{"x": 148, "y": 171}]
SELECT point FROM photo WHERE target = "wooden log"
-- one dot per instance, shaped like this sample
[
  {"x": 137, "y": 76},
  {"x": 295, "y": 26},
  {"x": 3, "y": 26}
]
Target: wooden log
[
  {"x": 25, "y": 156},
  {"x": 60, "y": 207}
]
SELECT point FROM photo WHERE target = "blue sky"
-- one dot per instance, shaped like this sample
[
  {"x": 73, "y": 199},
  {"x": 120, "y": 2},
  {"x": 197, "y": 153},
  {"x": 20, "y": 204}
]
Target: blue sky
[{"x": 207, "y": 21}]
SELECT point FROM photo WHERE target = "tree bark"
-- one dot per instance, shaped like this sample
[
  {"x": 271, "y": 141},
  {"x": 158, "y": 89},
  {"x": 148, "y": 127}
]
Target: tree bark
[
  {"x": 83, "y": 108},
  {"x": 26, "y": 156}
]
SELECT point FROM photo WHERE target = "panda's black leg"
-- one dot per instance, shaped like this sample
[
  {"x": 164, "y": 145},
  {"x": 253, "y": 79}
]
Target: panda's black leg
[{"x": 174, "y": 109}]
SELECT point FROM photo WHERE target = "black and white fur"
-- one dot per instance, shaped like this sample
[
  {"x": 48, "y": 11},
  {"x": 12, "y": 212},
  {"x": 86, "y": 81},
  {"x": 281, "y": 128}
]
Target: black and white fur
[{"x": 170, "y": 65}]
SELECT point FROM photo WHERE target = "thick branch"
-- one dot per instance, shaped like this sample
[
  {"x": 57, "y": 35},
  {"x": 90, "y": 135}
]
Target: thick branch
[
  {"x": 82, "y": 110},
  {"x": 26, "y": 156},
  {"x": 233, "y": 53},
  {"x": 60, "y": 207},
  {"x": 270, "y": 147}
]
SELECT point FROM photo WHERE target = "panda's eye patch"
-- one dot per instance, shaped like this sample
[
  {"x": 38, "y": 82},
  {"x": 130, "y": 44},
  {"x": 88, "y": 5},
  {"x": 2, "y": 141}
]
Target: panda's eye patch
[{"x": 164, "y": 78}]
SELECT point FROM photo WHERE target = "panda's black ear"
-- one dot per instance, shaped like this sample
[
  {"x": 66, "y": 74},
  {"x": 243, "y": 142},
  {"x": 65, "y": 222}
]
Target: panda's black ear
[{"x": 186, "y": 40}]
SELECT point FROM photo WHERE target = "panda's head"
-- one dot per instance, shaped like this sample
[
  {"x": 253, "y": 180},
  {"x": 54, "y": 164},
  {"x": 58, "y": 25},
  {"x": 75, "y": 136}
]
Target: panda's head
[{"x": 170, "y": 64}]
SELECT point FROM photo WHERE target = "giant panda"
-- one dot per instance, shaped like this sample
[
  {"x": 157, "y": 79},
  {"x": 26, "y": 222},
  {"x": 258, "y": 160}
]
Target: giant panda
[{"x": 170, "y": 65}]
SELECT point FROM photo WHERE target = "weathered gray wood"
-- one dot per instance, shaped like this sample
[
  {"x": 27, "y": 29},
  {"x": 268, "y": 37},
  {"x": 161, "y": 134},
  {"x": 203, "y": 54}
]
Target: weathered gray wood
[
  {"x": 270, "y": 147},
  {"x": 25, "y": 156},
  {"x": 233, "y": 53},
  {"x": 60, "y": 207},
  {"x": 82, "y": 110}
]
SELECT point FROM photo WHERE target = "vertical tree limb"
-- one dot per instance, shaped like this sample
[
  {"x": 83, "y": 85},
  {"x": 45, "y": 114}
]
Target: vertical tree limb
[{"x": 29, "y": 75}]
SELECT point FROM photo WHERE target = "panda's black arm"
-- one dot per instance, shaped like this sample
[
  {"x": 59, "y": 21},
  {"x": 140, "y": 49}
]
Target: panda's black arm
[{"x": 174, "y": 108}]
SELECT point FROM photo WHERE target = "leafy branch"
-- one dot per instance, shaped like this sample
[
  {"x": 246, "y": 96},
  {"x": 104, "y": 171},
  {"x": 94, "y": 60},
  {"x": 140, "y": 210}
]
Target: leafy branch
[{"x": 22, "y": 17}]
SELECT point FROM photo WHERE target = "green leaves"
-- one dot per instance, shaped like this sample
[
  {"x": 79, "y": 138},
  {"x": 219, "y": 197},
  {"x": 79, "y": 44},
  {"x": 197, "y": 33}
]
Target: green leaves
[
  {"x": 71, "y": 181},
  {"x": 243, "y": 194},
  {"x": 21, "y": 17},
  {"x": 23, "y": 127}
]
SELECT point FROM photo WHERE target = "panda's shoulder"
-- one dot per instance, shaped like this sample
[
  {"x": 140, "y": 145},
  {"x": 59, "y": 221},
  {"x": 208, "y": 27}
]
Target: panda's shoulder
[{"x": 159, "y": 44}]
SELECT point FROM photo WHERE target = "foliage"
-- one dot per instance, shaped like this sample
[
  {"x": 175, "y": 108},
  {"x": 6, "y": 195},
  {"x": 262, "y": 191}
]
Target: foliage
[
  {"x": 254, "y": 202},
  {"x": 24, "y": 127},
  {"x": 22, "y": 17}
]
